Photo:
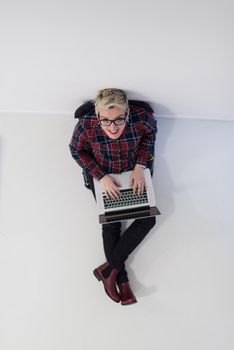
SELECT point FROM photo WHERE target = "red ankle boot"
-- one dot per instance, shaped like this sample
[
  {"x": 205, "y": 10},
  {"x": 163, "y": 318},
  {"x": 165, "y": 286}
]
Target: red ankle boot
[
  {"x": 108, "y": 282},
  {"x": 126, "y": 295}
]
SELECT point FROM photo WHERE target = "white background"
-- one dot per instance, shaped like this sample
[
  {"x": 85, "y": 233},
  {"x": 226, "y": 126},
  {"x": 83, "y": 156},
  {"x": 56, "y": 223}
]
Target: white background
[
  {"x": 177, "y": 55},
  {"x": 182, "y": 273}
]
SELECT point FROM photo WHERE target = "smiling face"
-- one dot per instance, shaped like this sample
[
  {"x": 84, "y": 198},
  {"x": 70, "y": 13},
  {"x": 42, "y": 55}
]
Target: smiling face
[{"x": 115, "y": 113}]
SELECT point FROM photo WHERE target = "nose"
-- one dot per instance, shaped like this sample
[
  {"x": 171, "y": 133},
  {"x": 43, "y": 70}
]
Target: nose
[{"x": 113, "y": 126}]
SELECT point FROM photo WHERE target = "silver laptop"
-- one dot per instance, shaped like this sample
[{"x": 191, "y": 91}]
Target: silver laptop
[{"x": 128, "y": 205}]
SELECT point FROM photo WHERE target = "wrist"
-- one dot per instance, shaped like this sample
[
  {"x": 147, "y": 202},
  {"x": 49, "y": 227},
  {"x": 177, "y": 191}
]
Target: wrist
[
  {"x": 104, "y": 177},
  {"x": 140, "y": 166}
]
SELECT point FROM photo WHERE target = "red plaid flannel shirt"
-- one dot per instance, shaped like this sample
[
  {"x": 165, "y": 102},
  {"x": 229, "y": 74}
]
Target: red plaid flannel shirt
[{"x": 99, "y": 155}]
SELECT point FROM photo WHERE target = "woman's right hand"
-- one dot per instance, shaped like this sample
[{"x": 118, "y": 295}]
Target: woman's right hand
[{"x": 110, "y": 186}]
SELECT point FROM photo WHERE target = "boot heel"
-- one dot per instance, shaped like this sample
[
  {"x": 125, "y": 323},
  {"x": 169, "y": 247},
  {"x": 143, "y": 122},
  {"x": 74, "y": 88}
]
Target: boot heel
[{"x": 96, "y": 275}]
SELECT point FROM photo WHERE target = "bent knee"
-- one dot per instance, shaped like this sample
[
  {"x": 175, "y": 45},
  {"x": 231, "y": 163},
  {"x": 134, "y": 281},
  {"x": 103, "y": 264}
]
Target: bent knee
[
  {"x": 112, "y": 228},
  {"x": 148, "y": 222},
  {"x": 152, "y": 221}
]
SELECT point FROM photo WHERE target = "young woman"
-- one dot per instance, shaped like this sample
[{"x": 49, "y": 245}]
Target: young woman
[{"x": 116, "y": 138}]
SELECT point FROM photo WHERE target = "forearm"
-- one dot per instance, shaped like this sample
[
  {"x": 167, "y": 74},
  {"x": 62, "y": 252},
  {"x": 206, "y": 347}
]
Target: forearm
[{"x": 84, "y": 160}]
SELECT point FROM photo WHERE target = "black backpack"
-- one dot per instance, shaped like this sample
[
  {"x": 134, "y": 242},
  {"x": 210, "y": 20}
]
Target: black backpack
[{"x": 88, "y": 107}]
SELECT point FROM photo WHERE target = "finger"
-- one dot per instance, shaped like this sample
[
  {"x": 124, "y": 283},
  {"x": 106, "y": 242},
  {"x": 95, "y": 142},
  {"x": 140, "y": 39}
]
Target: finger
[
  {"x": 107, "y": 194},
  {"x": 133, "y": 185},
  {"x": 140, "y": 188},
  {"x": 117, "y": 183},
  {"x": 115, "y": 193},
  {"x": 111, "y": 195},
  {"x": 135, "y": 188},
  {"x": 112, "y": 188}
]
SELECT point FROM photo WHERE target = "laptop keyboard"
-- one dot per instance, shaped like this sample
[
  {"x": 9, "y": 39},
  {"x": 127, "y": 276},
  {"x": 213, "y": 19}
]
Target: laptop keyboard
[{"x": 126, "y": 199}]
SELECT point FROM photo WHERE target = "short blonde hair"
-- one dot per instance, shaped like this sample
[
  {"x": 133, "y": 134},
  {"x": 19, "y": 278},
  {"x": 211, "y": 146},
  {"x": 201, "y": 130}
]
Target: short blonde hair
[{"x": 109, "y": 98}]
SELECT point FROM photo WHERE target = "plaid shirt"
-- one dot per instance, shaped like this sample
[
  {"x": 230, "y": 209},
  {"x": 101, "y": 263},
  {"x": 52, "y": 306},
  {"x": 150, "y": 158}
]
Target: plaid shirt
[{"x": 99, "y": 155}]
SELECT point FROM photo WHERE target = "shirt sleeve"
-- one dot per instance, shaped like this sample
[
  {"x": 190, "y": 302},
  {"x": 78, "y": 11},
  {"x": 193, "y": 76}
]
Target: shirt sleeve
[
  {"x": 148, "y": 140},
  {"x": 81, "y": 151}
]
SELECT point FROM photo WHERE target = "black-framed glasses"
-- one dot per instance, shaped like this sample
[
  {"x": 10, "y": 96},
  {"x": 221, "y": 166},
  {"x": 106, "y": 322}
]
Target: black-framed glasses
[
  {"x": 120, "y": 120},
  {"x": 117, "y": 121}
]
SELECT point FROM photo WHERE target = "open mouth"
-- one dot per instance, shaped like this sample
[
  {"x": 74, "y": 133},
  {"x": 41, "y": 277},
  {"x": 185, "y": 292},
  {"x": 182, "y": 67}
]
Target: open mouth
[{"x": 113, "y": 132}]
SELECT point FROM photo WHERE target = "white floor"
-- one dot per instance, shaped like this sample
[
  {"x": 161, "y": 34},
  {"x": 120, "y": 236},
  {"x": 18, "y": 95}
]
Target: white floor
[{"x": 50, "y": 241}]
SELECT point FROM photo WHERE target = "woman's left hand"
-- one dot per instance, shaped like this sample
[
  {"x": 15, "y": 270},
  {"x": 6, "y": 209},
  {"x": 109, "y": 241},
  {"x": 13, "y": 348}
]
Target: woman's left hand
[{"x": 137, "y": 180}]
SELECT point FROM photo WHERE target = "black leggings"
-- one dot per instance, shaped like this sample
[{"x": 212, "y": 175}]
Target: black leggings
[{"x": 118, "y": 247}]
